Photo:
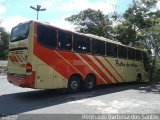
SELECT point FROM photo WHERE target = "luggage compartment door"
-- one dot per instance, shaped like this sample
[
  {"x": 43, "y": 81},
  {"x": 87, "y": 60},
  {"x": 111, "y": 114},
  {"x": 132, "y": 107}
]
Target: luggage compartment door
[{"x": 44, "y": 77}]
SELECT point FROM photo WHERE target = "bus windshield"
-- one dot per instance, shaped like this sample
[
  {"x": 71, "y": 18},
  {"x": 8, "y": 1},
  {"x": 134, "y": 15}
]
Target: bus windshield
[{"x": 20, "y": 32}]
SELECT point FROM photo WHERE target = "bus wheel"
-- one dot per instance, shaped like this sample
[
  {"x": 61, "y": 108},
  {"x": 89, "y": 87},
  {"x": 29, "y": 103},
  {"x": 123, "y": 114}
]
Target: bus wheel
[
  {"x": 74, "y": 84},
  {"x": 89, "y": 83},
  {"x": 139, "y": 78}
]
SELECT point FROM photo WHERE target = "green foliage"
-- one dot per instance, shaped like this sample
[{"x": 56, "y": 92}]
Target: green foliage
[
  {"x": 135, "y": 19},
  {"x": 91, "y": 21},
  {"x": 124, "y": 33},
  {"x": 4, "y": 41}
]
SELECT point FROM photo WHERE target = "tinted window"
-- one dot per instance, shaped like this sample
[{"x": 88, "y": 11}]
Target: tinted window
[
  {"x": 47, "y": 36},
  {"x": 20, "y": 32},
  {"x": 122, "y": 52},
  {"x": 81, "y": 44},
  {"x": 138, "y": 55},
  {"x": 111, "y": 50},
  {"x": 131, "y": 53},
  {"x": 64, "y": 40},
  {"x": 98, "y": 47}
]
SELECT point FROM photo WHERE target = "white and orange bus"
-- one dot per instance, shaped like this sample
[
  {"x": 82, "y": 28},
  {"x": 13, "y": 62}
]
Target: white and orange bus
[{"x": 42, "y": 56}]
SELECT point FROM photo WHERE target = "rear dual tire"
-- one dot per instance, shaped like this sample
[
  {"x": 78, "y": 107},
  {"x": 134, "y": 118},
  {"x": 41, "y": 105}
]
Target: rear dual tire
[
  {"x": 75, "y": 82},
  {"x": 89, "y": 83}
]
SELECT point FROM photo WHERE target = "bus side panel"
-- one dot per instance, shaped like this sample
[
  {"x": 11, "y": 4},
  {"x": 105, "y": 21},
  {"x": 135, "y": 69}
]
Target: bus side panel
[
  {"x": 127, "y": 69},
  {"x": 47, "y": 77},
  {"x": 109, "y": 66}
]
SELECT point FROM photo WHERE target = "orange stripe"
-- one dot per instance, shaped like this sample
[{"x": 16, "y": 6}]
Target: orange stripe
[
  {"x": 22, "y": 58},
  {"x": 15, "y": 58},
  {"x": 114, "y": 69},
  {"x": 85, "y": 57},
  {"x": 11, "y": 59},
  {"x": 70, "y": 62},
  {"x": 91, "y": 70},
  {"x": 19, "y": 58},
  {"x": 76, "y": 62},
  {"x": 60, "y": 66},
  {"x": 105, "y": 68}
]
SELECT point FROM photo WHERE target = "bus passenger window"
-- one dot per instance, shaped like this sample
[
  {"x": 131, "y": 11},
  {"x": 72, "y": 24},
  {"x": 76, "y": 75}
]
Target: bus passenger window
[
  {"x": 47, "y": 36},
  {"x": 111, "y": 50},
  {"x": 64, "y": 40},
  {"x": 98, "y": 47},
  {"x": 122, "y": 52},
  {"x": 131, "y": 53},
  {"x": 138, "y": 55},
  {"x": 81, "y": 44}
]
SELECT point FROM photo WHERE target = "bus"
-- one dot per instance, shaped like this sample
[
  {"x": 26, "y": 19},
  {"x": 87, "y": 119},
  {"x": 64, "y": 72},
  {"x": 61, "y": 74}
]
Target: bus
[{"x": 42, "y": 56}]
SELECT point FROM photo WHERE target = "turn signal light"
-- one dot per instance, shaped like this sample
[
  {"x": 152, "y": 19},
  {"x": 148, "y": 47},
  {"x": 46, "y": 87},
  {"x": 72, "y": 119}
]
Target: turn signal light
[{"x": 29, "y": 68}]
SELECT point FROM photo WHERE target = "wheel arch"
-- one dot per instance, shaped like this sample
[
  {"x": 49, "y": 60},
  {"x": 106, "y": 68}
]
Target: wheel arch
[
  {"x": 76, "y": 74},
  {"x": 69, "y": 85},
  {"x": 92, "y": 75}
]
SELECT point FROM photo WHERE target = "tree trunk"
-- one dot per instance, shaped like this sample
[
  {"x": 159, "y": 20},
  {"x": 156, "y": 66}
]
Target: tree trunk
[{"x": 152, "y": 69}]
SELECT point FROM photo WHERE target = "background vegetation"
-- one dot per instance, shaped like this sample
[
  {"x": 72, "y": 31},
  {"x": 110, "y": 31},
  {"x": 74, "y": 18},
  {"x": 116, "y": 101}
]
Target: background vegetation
[{"x": 4, "y": 40}]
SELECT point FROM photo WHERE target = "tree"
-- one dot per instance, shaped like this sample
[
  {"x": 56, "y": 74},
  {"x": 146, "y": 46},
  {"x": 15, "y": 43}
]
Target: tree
[
  {"x": 152, "y": 41},
  {"x": 135, "y": 19},
  {"x": 141, "y": 28},
  {"x": 124, "y": 33},
  {"x": 4, "y": 41},
  {"x": 91, "y": 21}
]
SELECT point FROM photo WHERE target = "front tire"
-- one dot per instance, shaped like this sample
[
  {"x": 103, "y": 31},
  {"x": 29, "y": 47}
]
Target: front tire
[{"x": 74, "y": 84}]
